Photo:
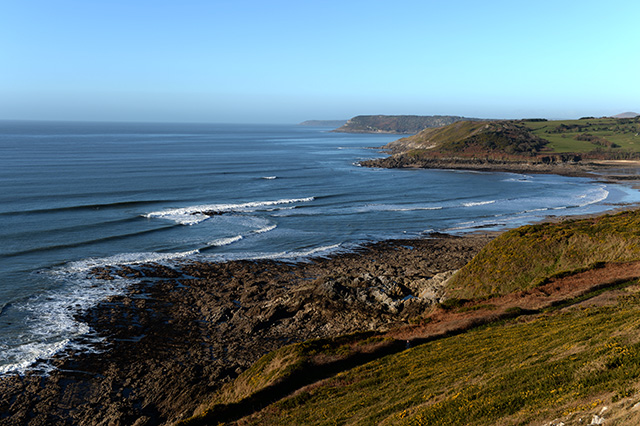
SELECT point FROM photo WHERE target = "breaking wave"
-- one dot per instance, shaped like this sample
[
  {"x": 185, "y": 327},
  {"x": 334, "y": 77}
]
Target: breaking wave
[
  {"x": 51, "y": 316},
  {"x": 478, "y": 203},
  {"x": 196, "y": 214},
  {"x": 225, "y": 241}
]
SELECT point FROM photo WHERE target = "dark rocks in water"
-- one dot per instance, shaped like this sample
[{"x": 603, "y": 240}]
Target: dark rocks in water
[
  {"x": 208, "y": 213},
  {"x": 179, "y": 334}
]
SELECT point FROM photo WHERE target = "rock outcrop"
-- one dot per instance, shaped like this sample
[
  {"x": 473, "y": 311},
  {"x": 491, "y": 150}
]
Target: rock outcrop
[{"x": 183, "y": 331}]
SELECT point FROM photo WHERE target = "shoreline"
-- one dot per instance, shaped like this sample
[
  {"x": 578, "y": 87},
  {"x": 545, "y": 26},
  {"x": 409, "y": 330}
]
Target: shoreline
[
  {"x": 181, "y": 333},
  {"x": 595, "y": 169}
]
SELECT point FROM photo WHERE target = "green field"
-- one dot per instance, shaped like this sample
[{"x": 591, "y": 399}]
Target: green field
[
  {"x": 612, "y": 134},
  {"x": 589, "y": 138}
]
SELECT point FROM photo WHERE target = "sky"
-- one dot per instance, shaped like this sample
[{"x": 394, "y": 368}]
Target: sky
[{"x": 280, "y": 61}]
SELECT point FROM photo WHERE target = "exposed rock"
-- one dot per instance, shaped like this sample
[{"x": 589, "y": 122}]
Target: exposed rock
[
  {"x": 181, "y": 333},
  {"x": 433, "y": 289}
]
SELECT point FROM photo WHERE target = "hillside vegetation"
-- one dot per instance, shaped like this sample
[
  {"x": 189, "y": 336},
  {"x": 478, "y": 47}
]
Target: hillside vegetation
[
  {"x": 561, "y": 365},
  {"x": 601, "y": 137},
  {"x": 533, "y": 141},
  {"x": 575, "y": 362},
  {"x": 523, "y": 258}
]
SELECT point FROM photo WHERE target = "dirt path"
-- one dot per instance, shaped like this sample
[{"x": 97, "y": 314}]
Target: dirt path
[{"x": 556, "y": 292}]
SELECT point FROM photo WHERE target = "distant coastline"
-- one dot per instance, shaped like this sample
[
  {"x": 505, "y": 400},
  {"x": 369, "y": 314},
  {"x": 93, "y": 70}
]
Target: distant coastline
[
  {"x": 398, "y": 124},
  {"x": 604, "y": 148}
]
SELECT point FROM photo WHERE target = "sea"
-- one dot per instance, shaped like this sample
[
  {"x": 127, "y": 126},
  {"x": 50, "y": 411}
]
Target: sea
[{"x": 76, "y": 195}]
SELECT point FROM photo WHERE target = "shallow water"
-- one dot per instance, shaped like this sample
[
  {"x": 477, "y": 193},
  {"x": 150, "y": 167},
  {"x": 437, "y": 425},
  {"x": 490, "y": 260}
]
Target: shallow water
[{"x": 78, "y": 195}]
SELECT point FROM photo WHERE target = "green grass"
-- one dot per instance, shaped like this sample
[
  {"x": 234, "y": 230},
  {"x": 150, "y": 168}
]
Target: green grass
[
  {"x": 622, "y": 132},
  {"x": 595, "y": 138},
  {"x": 279, "y": 372},
  {"x": 510, "y": 373},
  {"x": 565, "y": 362},
  {"x": 452, "y": 132},
  {"x": 524, "y": 257}
]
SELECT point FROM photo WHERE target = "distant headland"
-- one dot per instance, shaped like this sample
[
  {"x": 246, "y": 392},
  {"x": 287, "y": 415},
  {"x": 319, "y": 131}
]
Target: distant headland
[
  {"x": 567, "y": 147},
  {"x": 400, "y": 124},
  {"x": 626, "y": 115}
]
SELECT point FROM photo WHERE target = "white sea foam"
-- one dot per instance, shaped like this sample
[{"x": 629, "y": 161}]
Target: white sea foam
[
  {"x": 299, "y": 255},
  {"x": 302, "y": 254},
  {"x": 411, "y": 209},
  {"x": 194, "y": 214},
  {"x": 544, "y": 209},
  {"x": 225, "y": 241},
  {"x": 265, "y": 229},
  {"x": 594, "y": 196},
  {"x": 478, "y": 203},
  {"x": 394, "y": 208},
  {"x": 21, "y": 358},
  {"x": 123, "y": 259},
  {"x": 319, "y": 250},
  {"x": 520, "y": 178},
  {"x": 50, "y": 317}
]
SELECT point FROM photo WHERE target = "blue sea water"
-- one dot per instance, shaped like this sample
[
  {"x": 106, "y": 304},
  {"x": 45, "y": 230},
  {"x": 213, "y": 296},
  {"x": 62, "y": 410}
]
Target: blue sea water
[{"x": 78, "y": 195}]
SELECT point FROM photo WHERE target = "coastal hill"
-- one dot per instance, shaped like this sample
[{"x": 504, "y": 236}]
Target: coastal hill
[
  {"x": 401, "y": 124},
  {"x": 626, "y": 115},
  {"x": 531, "y": 145}
]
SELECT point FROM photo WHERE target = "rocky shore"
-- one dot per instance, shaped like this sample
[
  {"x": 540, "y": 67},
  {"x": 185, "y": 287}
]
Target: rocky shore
[
  {"x": 568, "y": 168},
  {"x": 183, "y": 331}
]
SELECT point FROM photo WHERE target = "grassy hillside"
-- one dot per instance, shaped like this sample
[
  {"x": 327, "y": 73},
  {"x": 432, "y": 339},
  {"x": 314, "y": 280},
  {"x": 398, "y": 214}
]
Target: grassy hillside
[
  {"x": 565, "y": 364},
  {"x": 533, "y": 140},
  {"x": 574, "y": 362},
  {"x": 524, "y": 257},
  {"x": 614, "y": 135}
]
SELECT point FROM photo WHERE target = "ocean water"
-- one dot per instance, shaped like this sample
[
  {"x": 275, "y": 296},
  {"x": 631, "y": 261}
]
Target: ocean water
[{"x": 78, "y": 195}]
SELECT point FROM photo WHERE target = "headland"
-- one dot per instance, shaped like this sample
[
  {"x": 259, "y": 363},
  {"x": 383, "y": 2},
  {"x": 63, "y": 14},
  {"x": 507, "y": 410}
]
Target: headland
[{"x": 604, "y": 147}]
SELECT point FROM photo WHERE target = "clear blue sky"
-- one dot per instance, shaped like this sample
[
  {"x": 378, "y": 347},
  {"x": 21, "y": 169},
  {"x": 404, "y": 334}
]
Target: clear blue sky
[{"x": 288, "y": 61}]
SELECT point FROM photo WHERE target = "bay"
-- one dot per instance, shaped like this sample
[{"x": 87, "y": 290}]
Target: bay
[{"x": 78, "y": 195}]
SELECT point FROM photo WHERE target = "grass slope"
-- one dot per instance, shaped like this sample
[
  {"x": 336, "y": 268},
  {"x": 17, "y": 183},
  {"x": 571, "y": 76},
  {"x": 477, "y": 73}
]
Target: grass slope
[
  {"x": 605, "y": 138},
  {"x": 613, "y": 135},
  {"x": 566, "y": 363},
  {"x": 524, "y": 257}
]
